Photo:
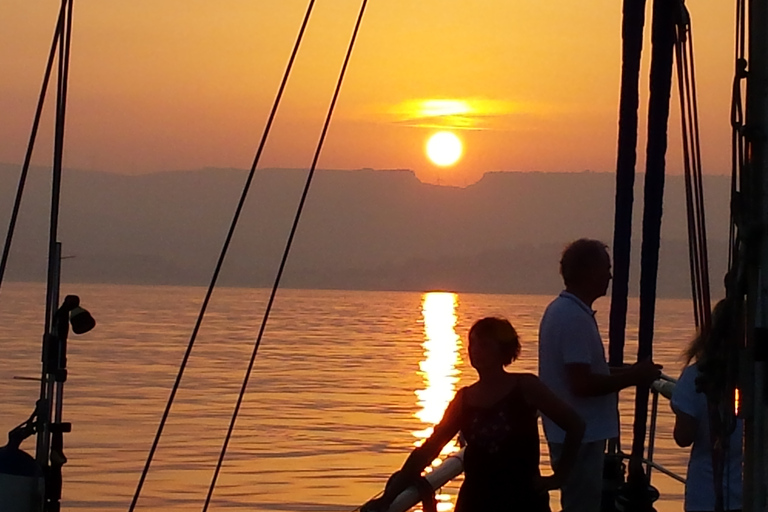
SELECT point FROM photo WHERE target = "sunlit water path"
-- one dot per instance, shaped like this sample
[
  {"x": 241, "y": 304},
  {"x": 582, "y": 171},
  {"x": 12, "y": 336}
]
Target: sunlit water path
[{"x": 345, "y": 385}]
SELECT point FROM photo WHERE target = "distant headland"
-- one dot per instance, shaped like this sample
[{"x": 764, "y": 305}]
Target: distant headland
[{"x": 364, "y": 229}]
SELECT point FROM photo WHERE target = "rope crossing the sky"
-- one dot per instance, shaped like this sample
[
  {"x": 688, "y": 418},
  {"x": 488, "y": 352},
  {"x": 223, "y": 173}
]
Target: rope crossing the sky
[
  {"x": 694, "y": 190},
  {"x": 32, "y": 140},
  {"x": 284, "y": 259},
  {"x": 222, "y": 256}
]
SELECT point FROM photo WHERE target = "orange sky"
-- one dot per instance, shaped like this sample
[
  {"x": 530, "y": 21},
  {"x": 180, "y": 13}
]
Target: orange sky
[{"x": 183, "y": 84}]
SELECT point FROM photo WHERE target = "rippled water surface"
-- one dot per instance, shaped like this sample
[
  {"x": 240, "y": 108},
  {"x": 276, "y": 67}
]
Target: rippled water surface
[{"x": 344, "y": 384}]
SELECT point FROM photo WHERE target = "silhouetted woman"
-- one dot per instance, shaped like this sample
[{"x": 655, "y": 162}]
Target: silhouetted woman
[
  {"x": 497, "y": 416},
  {"x": 705, "y": 371}
]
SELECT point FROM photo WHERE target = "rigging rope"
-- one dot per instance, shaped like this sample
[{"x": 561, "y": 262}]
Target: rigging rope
[
  {"x": 632, "y": 44},
  {"x": 222, "y": 255},
  {"x": 662, "y": 38},
  {"x": 286, "y": 252},
  {"x": 715, "y": 375},
  {"x": 65, "y": 44},
  {"x": 738, "y": 149},
  {"x": 720, "y": 377},
  {"x": 31, "y": 143},
  {"x": 694, "y": 191}
]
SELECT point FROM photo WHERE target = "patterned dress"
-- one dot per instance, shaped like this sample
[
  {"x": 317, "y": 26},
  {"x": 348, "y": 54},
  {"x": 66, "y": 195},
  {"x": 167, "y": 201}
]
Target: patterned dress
[{"x": 501, "y": 460}]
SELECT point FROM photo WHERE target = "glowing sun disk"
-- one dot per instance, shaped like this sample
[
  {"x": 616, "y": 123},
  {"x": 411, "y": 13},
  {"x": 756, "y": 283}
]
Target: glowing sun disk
[{"x": 444, "y": 148}]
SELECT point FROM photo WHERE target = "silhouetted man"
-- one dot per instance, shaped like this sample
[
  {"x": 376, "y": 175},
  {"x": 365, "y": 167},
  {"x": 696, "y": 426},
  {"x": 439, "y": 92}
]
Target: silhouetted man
[{"x": 572, "y": 363}]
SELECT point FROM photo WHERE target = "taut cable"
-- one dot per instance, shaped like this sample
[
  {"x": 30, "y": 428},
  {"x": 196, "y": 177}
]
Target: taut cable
[
  {"x": 284, "y": 259},
  {"x": 222, "y": 256}
]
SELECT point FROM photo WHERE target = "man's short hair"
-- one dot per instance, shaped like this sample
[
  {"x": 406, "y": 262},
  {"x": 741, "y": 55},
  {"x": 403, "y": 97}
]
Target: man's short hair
[{"x": 579, "y": 257}]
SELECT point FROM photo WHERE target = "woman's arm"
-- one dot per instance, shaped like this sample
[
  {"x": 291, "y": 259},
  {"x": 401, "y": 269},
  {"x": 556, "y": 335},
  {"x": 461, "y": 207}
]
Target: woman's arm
[
  {"x": 422, "y": 456},
  {"x": 564, "y": 416}
]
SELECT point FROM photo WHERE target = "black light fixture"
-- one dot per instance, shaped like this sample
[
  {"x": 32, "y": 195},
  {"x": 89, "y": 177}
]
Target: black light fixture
[
  {"x": 81, "y": 320},
  {"x": 79, "y": 317}
]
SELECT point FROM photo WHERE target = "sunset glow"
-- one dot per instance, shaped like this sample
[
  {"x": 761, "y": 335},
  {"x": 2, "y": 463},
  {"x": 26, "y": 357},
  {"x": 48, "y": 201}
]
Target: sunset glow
[
  {"x": 444, "y": 149},
  {"x": 460, "y": 113},
  {"x": 172, "y": 85},
  {"x": 432, "y": 108}
]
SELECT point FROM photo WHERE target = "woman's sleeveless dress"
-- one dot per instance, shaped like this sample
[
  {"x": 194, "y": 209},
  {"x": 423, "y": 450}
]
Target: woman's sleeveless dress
[{"x": 501, "y": 460}]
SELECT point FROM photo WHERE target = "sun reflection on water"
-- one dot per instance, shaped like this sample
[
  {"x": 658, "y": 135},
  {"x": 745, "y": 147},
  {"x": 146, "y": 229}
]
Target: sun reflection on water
[{"x": 439, "y": 368}]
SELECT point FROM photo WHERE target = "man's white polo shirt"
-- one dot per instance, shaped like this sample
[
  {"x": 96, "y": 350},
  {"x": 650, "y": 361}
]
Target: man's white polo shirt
[{"x": 568, "y": 334}]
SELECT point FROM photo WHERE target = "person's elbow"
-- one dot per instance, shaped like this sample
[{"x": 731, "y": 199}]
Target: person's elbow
[
  {"x": 582, "y": 385},
  {"x": 682, "y": 440},
  {"x": 684, "y": 432}
]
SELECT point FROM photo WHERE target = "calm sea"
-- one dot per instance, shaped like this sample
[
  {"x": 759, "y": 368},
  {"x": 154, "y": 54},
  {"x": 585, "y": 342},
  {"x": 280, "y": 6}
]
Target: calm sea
[{"x": 344, "y": 384}]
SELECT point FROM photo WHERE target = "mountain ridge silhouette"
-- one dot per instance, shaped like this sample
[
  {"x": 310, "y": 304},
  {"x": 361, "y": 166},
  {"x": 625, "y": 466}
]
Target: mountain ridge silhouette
[{"x": 361, "y": 229}]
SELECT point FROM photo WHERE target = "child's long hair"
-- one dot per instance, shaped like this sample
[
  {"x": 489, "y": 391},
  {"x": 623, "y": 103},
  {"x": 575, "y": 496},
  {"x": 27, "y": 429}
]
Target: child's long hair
[{"x": 705, "y": 345}]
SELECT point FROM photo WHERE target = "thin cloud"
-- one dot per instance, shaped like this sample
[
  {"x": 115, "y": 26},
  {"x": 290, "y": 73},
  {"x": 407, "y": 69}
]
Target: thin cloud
[{"x": 462, "y": 114}]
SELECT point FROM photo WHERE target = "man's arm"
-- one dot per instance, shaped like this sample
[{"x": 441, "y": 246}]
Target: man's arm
[
  {"x": 615, "y": 370},
  {"x": 583, "y": 382},
  {"x": 685, "y": 429}
]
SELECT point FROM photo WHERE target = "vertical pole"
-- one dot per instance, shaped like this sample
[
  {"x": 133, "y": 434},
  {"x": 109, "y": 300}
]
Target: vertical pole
[
  {"x": 633, "y": 21},
  {"x": 652, "y": 434},
  {"x": 663, "y": 37},
  {"x": 44, "y": 405},
  {"x": 754, "y": 383},
  {"x": 49, "y": 452},
  {"x": 47, "y": 403},
  {"x": 55, "y": 402}
]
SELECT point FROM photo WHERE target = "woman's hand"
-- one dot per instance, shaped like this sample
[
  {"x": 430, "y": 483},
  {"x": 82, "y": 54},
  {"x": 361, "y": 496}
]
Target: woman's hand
[
  {"x": 395, "y": 485},
  {"x": 547, "y": 483},
  {"x": 376, "y": 505}
]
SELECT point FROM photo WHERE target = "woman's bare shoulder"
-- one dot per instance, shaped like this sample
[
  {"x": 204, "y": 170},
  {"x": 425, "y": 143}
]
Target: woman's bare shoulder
[{"x": 526, "y": 378}]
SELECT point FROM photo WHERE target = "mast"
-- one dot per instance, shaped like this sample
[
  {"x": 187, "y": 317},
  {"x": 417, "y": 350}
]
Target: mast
[
  {"x": 663, "y": 30},
  {"x": 754, "y": 188},
  {"x": 53, "y": 280},
  {"x": 34, "y": 484},
  {"x": 633, "y": 21}
]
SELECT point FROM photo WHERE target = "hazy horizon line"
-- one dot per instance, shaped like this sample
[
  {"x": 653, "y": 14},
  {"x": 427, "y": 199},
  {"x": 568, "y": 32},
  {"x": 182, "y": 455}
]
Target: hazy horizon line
[
  {"x": 298, "y": 288},
  {"x": 356, "y": 169}
]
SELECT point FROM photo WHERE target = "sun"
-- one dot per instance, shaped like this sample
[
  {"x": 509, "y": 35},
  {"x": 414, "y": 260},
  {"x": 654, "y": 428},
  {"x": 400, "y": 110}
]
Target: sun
[{"x": 444, "y": 148}]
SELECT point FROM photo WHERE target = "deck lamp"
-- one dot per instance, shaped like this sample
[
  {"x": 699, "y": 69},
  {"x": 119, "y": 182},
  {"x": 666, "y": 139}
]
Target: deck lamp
[{"x": 33, "y": 484}]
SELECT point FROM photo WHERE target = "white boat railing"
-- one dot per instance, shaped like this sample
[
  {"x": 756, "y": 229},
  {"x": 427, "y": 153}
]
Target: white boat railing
[
  {"x": 453, "y": 465},
  {"x": 450, "y": 467},
  {"x": 664, "y": 387}
]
